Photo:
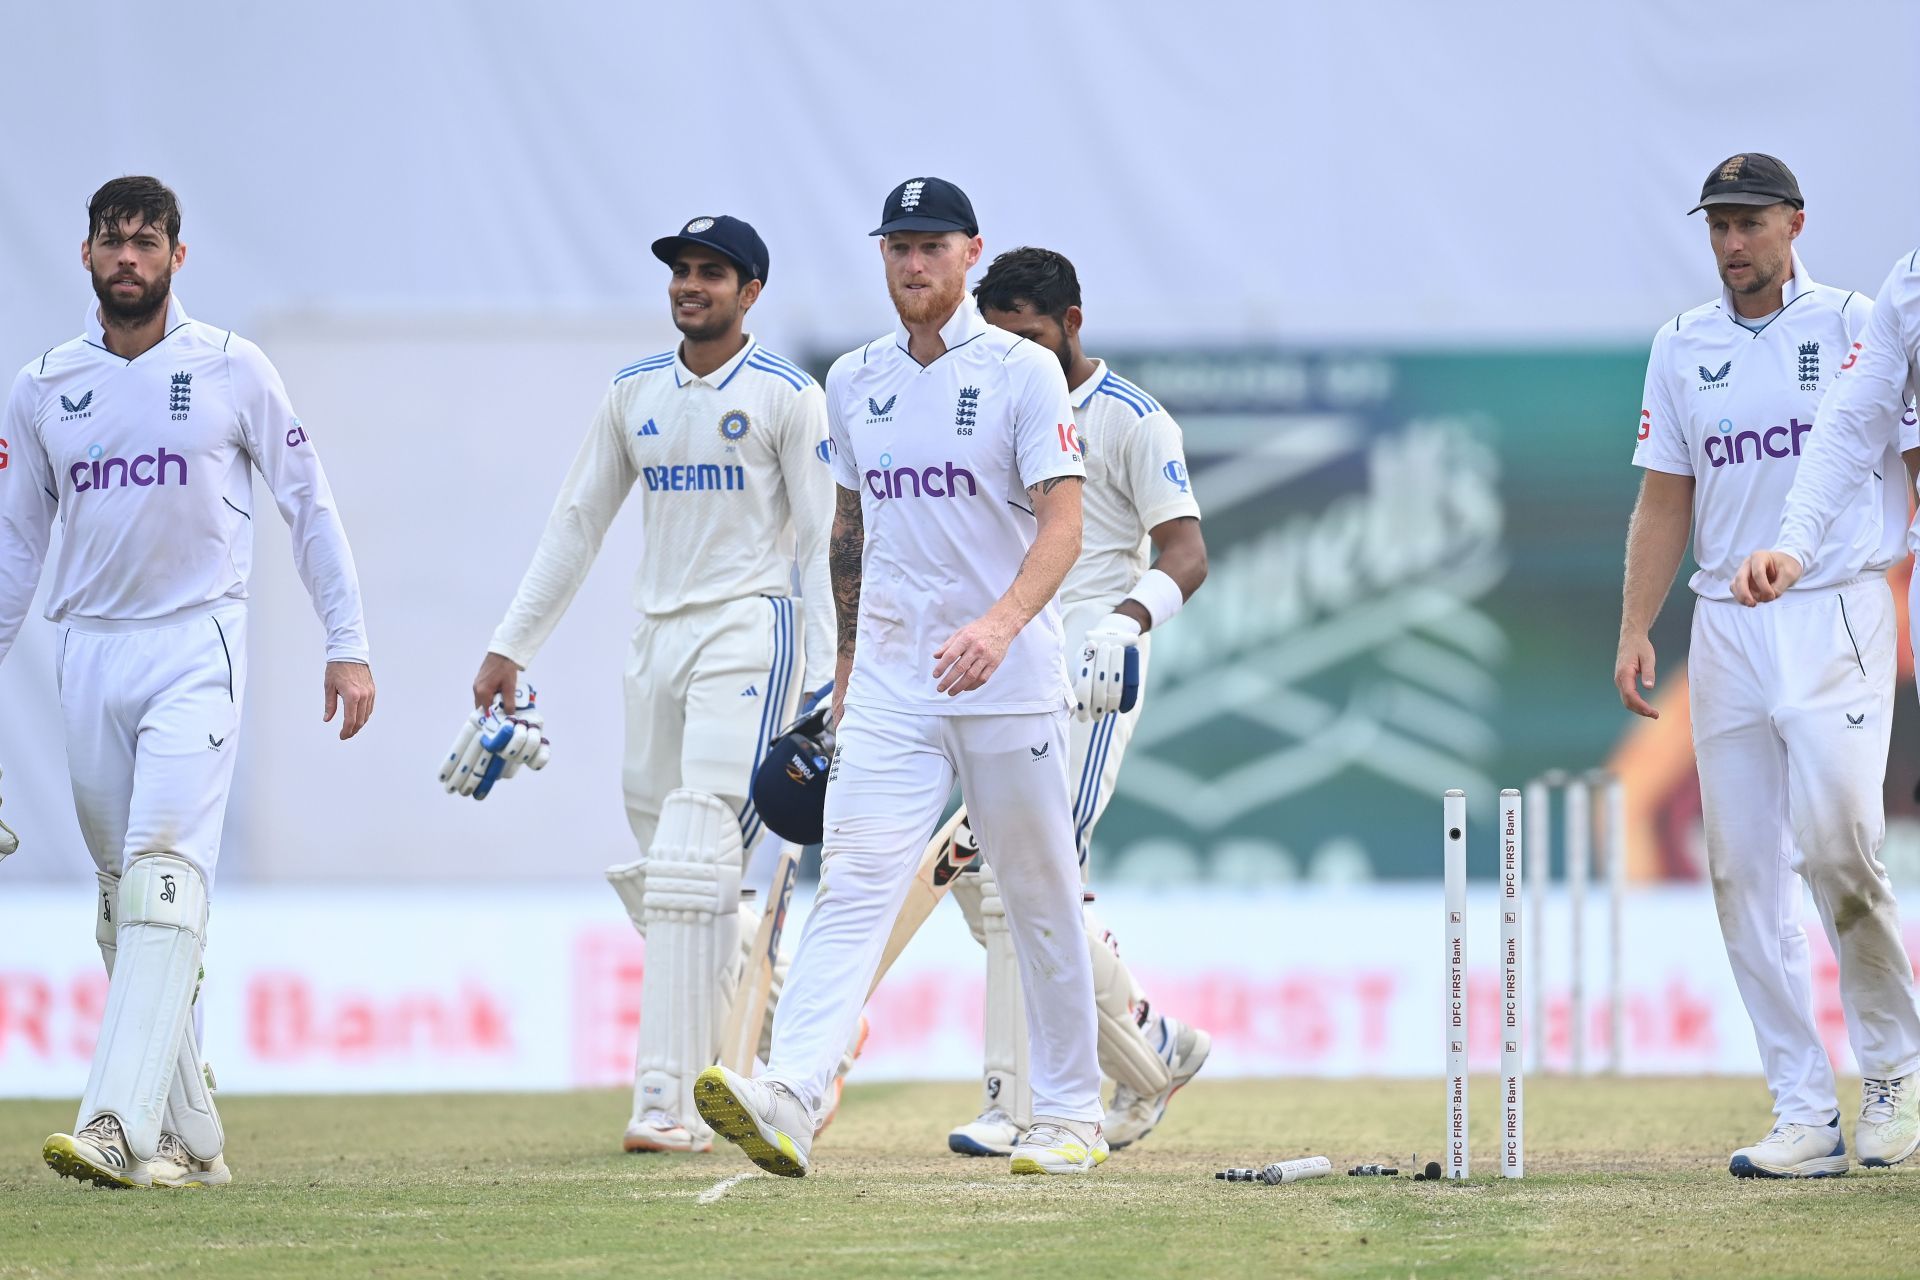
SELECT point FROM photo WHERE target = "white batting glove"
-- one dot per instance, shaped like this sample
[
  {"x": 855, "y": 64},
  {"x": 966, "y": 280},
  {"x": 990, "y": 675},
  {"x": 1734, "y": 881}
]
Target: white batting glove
[
  {"x": 8, "y": 841},
  {"x": 1100, "y": 683},
  {"x": 493, "y": 744}
]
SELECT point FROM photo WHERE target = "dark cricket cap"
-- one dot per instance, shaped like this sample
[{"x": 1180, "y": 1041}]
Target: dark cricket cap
[
  {"x": 1750, "y": 178},
  {"x": 728, "y": 236},
  {"x": 927, "y": 204}
]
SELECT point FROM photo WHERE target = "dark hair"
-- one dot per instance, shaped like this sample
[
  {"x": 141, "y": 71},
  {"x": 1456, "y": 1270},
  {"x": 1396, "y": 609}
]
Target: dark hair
[
  {"x": 147, "y": 200},
  {"x": 1043, "y": 279}
]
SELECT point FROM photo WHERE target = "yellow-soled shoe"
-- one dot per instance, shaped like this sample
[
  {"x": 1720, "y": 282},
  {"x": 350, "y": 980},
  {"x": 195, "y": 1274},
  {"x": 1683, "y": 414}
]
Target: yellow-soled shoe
[
  {"x": 98, "y": 1154},
  {"x": 1059, "y": 1146},
  {"x": 766, "y": 1121}
]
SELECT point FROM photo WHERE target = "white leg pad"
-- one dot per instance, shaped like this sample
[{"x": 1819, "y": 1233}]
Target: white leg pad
[
  {"x": 691, "y": 909},
  {"x": 629, "y": 880},
  {"x": 163, "y": 916},
  {"x": 967, "y": 892},
  {"x": 1006, "y": 1084},
  {"x": 1125, "y": 1055},
  {"x": 190, "y": 1114}
]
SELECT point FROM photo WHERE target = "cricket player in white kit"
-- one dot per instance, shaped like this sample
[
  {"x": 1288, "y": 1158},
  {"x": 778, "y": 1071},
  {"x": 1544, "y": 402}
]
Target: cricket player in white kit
[
  {"x": 958, "y": 517},
  {"x": 1870, "y": 412},
  {"x": 1791, "y": 705},
  {"x": 728, "y": 443},
  {"x": 1137, "y": 495},
  {"x": 141, "y": 437}
]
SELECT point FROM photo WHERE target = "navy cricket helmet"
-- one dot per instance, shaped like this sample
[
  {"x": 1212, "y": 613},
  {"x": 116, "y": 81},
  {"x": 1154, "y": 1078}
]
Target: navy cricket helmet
[{"x": 790, "y": 787}]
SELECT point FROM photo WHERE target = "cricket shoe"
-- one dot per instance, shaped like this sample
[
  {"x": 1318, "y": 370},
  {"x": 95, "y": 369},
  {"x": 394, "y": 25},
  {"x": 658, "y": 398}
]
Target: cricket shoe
[
  {"x": 98, "y": 1154},
  {"x": 1134, "y": 1115},
  {"x": 1794, "y": 1151},
  {"x": 991, "y": 1133},
  {"x": 1889, "y": 1128},
  {"x": 764, "y": 1120},
  {"x": 655, "y": 1130},
  {"x": 1059, "y": 1146},
  {"x": 175, "y": 1166}
]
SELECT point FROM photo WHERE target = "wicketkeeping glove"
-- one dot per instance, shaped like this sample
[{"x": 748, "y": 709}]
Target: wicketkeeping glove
[
  {"x": 1108, "y": 677},
  {"x": 8, "y": 841},
  {"x": 494, "y": 744}
]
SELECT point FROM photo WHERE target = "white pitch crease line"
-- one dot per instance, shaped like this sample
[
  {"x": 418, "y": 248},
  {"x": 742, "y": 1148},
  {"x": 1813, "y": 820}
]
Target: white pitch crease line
[{"x": 725, "y": 1185}]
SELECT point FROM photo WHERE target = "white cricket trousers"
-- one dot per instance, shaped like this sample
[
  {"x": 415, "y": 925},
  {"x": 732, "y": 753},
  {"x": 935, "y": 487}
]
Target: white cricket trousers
[
  {"x": 891, "y": 776},
  {"x": 152, "y": 712},
  {"x": 1792, "y": 706},
  {"x": 1097, "y": 746}
]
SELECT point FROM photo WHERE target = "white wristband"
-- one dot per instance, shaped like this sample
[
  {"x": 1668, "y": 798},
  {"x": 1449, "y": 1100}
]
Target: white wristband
[{"x": 1159, "y": 595}]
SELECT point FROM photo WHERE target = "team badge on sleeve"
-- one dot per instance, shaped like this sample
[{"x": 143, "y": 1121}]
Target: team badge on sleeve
[
  {"x": 1176, "y": 473},
  {"x": 734, "y": 424}
]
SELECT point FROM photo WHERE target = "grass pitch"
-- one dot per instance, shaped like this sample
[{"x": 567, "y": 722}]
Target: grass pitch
[{"x": 1625, "y": 1178}]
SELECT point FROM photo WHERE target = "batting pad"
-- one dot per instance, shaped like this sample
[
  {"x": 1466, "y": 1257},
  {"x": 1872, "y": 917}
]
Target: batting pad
[
  {"x": 1125, "y": 1054},
  {"x": 190, "y": 1115},
  {"x": 163, "y": 916},
  {"x": 691, "y": 906}
]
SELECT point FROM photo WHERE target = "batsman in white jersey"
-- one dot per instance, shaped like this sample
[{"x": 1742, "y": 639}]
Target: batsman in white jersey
[
  {"x": 1792, "y": 704},
  {"x": 140, "y": 437},
  {"x": 1137, "y": 495},
  {"x": 727, "y": 443},
  {"x": 958, "y": 518}
]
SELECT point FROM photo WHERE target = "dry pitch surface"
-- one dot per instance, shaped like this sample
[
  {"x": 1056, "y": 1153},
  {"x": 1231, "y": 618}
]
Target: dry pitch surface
[{"x": 1626, "y": 1178}]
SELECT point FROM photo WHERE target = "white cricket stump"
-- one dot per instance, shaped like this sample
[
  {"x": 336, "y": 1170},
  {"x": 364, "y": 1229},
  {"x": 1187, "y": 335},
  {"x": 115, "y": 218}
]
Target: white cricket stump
[
  {"x": 1538, "y": 816},
  {"x": 1512, "y": 1072},
  {"x": 1616, "y": 807},
  {"x": 1579, "y": 854},
  {"x": 1454, "y": 841}
]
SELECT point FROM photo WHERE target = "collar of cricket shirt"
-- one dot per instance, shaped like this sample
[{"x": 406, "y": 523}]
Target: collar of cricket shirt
[
  {"x": 962, "y": 327},
  {"x": 1084, "y": 392},
  {"x": 1798, "y": 285},
  {"x": 683, "y": 376}
]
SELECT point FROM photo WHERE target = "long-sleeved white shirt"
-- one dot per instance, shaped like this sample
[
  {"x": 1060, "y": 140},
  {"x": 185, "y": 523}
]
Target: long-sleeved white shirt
[
  {"x": 147, "y": 464},
  {"x": 1868, "y": 411},
  {"x": 732, "y": 470}
]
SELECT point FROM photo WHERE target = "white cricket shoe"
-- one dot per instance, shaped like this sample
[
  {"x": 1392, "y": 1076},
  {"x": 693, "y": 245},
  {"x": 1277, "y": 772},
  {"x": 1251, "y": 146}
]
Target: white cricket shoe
[
  {"x": 98, "y": 1154},
  {"x": 1134, "y": 1115},
  {"x": 764, "y": 1120},
  {"x": 1794, "y": 1151},
  {"x": 1059, "y": 1146},
  {"x": 656, "y": 1130},
  {"x": 991, "y": 1133},
  {"x": 1889, "y": 1128},
  {"x": 175, "y": 1166}
]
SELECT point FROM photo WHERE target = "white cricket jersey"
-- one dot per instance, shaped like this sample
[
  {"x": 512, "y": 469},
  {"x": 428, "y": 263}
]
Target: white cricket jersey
[
  {"x": 1136, "y": 479},
  {"x": 1869, "y": 411},
  {"x": 942, "y": 457},
  {"x": 147, "y": 463},
  {"x": 1733, "y": 408},
  {"x": 733, "y": 480}
]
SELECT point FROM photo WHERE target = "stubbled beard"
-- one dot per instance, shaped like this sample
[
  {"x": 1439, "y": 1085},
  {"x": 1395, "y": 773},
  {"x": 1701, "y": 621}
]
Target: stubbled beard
[
  {"x": 931, "y": 305},
  {"x": 1762, "y": 280},
  {"x": 715, "y": 323},
  {"x": 114, "y": 311}
]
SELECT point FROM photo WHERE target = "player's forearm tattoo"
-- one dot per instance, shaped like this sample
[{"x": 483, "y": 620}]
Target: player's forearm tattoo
[
  {"x": 1047, "y": 486},
  {"x": 843, "y": 565}
]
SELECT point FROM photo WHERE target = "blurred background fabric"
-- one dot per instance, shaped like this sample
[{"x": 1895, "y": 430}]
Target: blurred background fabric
[{"x": 1393, "y": 265}]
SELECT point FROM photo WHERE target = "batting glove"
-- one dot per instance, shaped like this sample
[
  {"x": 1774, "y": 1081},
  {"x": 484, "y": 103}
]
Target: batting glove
[
  {"x": 1108, "y": 678},
  {"x": 494, "y": 744}
]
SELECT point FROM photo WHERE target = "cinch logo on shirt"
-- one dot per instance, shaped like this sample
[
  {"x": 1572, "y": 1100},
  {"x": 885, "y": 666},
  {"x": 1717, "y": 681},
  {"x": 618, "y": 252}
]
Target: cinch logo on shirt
[
  {"x": 117, "y": 473},
  {"x": 1743, "y": 446},
  {"x": 928, "y": 482},
  {"x": 686, "y": 477}
]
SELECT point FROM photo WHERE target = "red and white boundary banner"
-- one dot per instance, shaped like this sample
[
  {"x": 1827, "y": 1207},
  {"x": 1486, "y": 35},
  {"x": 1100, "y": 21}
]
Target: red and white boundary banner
[{"x": 335, "y": 990}]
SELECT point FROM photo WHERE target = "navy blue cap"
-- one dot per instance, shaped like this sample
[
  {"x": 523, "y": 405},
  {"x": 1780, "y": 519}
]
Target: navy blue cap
[
  {"x": 927, "y": 204},
  {"x": 729, "y": 237},
  {"x": 789, "y": 790}
]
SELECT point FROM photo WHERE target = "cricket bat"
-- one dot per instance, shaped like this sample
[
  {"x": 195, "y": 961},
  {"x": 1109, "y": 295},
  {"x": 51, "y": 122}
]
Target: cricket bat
[
  {"x": 740, "y": 1040},
  {"x": 943, "y": 861}
]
